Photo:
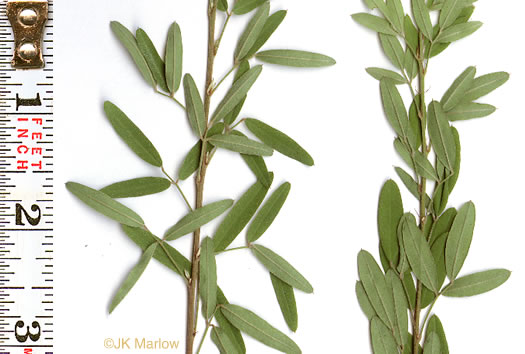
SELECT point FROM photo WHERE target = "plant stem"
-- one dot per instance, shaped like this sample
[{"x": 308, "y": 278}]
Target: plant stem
[
  {"x": 176, "y": 184},
  {"x": 416, "y": 333},
  {"x": 208, "y": 325},
  {"x": 172, "y": 97},
  {"x": 192, "y": 310}
]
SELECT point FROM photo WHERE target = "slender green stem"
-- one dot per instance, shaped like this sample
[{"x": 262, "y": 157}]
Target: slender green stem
[
  {"x": 176, "y": 184},
  {"x": 172, "y": 97},
  {"x": 218, "y": 42},
  {"x": 225, "y": 77},
  {"x": 233, "y": 249},
  {"x": 208, "y": 325},
  {"x": 236, "y": 124},
  {"x": 161, "y": 243}
]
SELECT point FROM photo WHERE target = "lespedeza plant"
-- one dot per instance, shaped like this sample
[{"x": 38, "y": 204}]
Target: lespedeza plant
[
  {"x": 418, "y": 252},
  {"x": 214, "y": 131}
]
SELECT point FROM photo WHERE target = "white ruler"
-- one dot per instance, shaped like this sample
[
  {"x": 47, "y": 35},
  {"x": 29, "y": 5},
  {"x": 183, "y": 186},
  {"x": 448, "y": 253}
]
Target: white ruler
[{"x": 26, "y": 197}]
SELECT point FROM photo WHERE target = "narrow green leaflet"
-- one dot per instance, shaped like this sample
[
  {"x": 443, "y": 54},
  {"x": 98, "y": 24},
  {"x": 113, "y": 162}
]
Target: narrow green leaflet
[
  {"x": 441, "y": 136},
  {"x": 382, "y": 340},
  {"x": 459, "y": 239},
  {"x": 455, "y": 93},
  {"x": 173, "y": 58},
  {"x": 470, "y": 110},
  {"x": 130, "y": 43},
  {"x": 240, "y": 144},
  {"x": 190, "y": 164},
  {"x": 256, "y": 164},
  {"x": 166, "y": 255},
  {"x": 364, "y": 301},
  {"x": 422, "y": 18},
  {"x": 279, "y": 267},
  {"x": 197, "y": 218},
  {"x": 379, "y": 74},
  {"x": 409, "y": 182},
  {"x": 435, "y": 326},
  {"x": 243, "y": 68},
  {"x": 208, "y": 277},
  {"x": 222, "y": 5},
  {"x": 478, "y": 283},
  {"x": 424, "y": 167},
  {"x": 295, "y": 58},
  {"x": 194, "y": 106},
  {"x": 105, "y": 205},
  {"x": 411, "y": 34},
  {"x": 438, "y": 252},
  {"x": 272, "y": 23},
  {"x": 394, "y": 107},
  {"x": 375, "y": 23},
  {"x": 268, "y": 212},
  {"x": 152, "y": 57},
  {"x": 432, "y": 345},
  {"x": 400, "y": 307},
  {"x": 132, "y": 135},
  {"x": 443, "y": 224},
  {"x": 286, "y": 299},
  {"x": 484, "y": 85},
  {"x": 395, "y": 8},
  {"x": 136, "y": 187},
  {"x": 459, "y": 31},
  {"x": 403, "y": 152},
  {"x": 376, "y": 288},
  {"x": 133, "y": 277},
  {"x": 451, "y": 182},
  {"x": 236, "y": 93},
  {"x": 419, "y": 256},
  {"x": 389, "y": 212},
  {"x": 222, "y": 341},
  {"x": 228, "y": 329},
  {"x": 410, "y": 64},
  {"x": 450, "y": 12},
  {"x": 251, "y": 324},
  {"x": 251, "y": 33},
  {"x": 242, "y": 7},
  {"x": 239, "y": 215},
  {"x": 393, "y": 49},
  {"x": 278, "y": 141}
]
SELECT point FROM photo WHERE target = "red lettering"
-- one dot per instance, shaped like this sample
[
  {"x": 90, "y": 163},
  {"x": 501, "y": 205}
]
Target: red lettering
[
  {"x": 22, "y": 165},
  {"x": 36, "y": 151},
  {"x": 22, "y": 133},
  {"x": 23, "y": 119},
  {"x": 22, "y": 149},
  {"x": 28, "y": 351},
  {"x": 36, "y": 136},
  {"x": 37, "y": 121},
  {"x": 39, "y": 165}
]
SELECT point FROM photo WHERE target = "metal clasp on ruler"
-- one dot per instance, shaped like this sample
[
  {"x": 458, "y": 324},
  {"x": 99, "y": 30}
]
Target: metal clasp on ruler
[{"x": 27, "y": 19}]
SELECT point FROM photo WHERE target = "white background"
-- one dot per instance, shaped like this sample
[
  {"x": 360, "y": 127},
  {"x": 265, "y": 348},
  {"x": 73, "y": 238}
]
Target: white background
[{"x": 335, "y": 113}]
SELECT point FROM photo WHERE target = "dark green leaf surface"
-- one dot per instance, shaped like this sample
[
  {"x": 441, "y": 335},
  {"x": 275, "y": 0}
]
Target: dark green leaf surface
[
  {"x": 279, "y": 267},
  {"x": 136, "y": 187},
  {"x": 252, "y": 31},
  {"x": 295, "y": 58},
  {"x": 239, "y": 215},
  {"x": 208, "y": 277},
  {"x": 483, "y": 85},
  {"x": 256, "y": 164},
  {"x": 435, "y": 326},
  {"x": 227, "y": 327},
  {"x": 279, "y": 141},
  {"x": 432, "y": 345},
  {"x": 130, "y": 43},
  {"x": 251, "y": 324},
  {"x": 456, "y": 92},
  {"x": 243, "y": 68},
  {"x": 459, "y": 239},
  {"x": 132, "y": 135},
  {"x": 197, "y": 218},
  {"x": 222, "y": 341},
  {"x": 408, "y": 181},
  {"x": 173, "y": 58},
  {"x": 419, "y": 256},
  {"x": 133, "y": 277},
  {"x": 376, "y": 288},
  {"x": 268, "y": 212},
  {"x": 400, "y": 307},
  {"x": 242, "y": 7},
  {"x": 105, "y": 205},
  {"x": 443, "y": 224},
  {"x": 240, "y": 144},
  {"x": 438, "y": 252},
  {"x": 191, "y": 161},
  {"x": 236, "y": 93},
  {"x": 286, "y": 299},
  {"x": 389, "y": 212},
  {"x": 375, "y": 23},
  {"x": 268, "y": 29},
  {"x": 222, "y": 5},
  {"x": 441, "y": 135},
  {"x": 155, "y": 63},
  {"x": 364, "y": 301},
  {"x": 478, "y": 283},
  {"x": 382, "y": 340},
  {"x": 411, "y": 35},
  {"x": 194, "y": 106},
  {"x": 379, "y": 74}
]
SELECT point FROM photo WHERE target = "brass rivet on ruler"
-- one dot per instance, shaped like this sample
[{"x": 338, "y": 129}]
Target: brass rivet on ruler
[{"x": 27, "y": 19}]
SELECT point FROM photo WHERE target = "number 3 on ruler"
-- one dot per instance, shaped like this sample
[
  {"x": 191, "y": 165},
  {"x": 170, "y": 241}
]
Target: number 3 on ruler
[{"x": 23, "y": 337}]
